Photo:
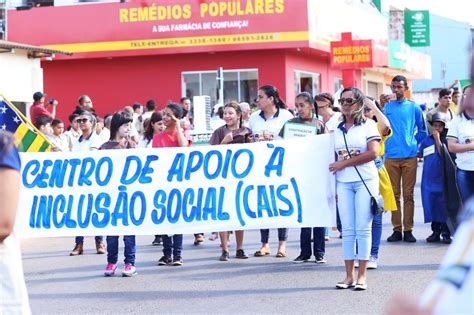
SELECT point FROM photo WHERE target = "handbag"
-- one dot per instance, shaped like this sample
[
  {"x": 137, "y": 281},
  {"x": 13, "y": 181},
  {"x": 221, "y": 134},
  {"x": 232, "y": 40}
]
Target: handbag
[{"x": 376, "y": 203}]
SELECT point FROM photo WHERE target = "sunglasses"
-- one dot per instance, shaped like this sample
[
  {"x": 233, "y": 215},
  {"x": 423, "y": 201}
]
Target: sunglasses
[
  {"x": 366, "y": 109},
  {"x": 82, "y": 121},
  {"x": 347, "y": 101}
]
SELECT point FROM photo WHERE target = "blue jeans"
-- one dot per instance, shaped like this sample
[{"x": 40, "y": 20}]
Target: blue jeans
[
  {"x": 265, "y": 234},
  {"x": 318, "y": 241},
  {"x": 465, "y": 181},
  {"x": 376, "y": 235},
  {"x": 356, "y": 218},
  {"x": 80, "y": 239},
  {"x": 129, "y": 252},
  {"x": 172, "y": 245}
]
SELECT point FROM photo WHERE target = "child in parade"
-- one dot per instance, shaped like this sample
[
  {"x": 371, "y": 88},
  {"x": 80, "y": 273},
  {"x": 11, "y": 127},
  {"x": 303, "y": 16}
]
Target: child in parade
[
  {"x": 119, "y": 139},
  {"x": 59, "y": 139},
  {"x": 232, "y": 132},
  {"x": 432, "y": 195},
  {"x": 172, "y": 136}
]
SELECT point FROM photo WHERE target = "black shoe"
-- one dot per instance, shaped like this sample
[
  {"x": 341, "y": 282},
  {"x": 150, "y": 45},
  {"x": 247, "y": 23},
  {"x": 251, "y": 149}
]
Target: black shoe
[
  {"x": 408, "y": 237},
  {"x": 301, "y": 259},
  {"x": 395, "y": 237},
  {"x": 433, "y": 238},
  {"x": 165, "y": 260},
  {"x": 240, "y": 254},
  {"x": 177, "y": 261},
  {"x": 320, "y": 260},
  {"x": 225, "y": 256},
  {"x": 446, "y": 240},
  {"x": 157, "y": 241}
]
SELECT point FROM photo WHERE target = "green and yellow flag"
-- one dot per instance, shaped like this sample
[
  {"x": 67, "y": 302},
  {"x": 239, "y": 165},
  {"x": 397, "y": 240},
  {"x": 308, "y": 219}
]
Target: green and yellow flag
[{"x": 27, "y": 137}]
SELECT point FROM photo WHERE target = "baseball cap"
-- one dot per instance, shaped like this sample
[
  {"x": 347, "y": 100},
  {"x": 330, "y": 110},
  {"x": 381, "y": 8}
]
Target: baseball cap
[
  {"x": 38, "y": 95},
  {"x": 438, "y": 117}
]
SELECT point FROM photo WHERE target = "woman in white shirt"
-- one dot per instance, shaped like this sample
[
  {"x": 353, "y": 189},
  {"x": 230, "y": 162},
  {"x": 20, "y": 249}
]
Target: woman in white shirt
[
  {"x": 461, "y": 141},
  {"x": 266, "y": 125},
  {"x": 357, "y": 145}
]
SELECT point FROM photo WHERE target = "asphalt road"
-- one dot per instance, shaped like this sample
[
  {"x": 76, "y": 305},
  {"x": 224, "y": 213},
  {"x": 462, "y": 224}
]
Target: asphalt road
[{"x": 60, "y": 284}]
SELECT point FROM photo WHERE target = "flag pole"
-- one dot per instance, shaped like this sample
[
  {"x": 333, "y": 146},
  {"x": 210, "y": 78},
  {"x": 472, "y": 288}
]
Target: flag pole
[{"x": 26, "y": 120}]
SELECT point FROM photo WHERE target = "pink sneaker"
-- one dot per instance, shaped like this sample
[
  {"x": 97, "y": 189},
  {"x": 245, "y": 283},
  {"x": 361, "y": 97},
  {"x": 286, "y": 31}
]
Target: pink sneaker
[
  {"x": 110, "y": 270},
  {"x": 129, "y": 270}
]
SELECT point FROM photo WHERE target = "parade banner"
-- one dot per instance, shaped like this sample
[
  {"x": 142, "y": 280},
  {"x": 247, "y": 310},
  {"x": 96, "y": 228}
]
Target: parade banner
[
  {"x": 163, "y": 27},
  {"x": 178, "y": 190}
]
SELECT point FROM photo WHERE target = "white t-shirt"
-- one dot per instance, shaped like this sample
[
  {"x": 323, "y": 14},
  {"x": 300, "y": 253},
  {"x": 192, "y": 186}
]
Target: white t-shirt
[
  {"x": 462, "y": 131},
  {"x": 262, "y": 128},
  {"x": 357, "y": 138},
  {"x": 93, "y": 142}
]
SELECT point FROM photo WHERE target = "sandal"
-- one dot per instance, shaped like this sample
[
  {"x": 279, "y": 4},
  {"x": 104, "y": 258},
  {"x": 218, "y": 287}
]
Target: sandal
[
  {"x": 281, "y": 254},
  {"x": 343, "y": 285},
  {"x": 261, "y": 253}
]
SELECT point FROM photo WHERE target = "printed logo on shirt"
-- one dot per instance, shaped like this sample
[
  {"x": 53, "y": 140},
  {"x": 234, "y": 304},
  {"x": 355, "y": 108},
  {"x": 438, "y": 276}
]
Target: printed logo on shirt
[
  {"x": 429, "y": 150},
  {"x": 343, "y": 155}
]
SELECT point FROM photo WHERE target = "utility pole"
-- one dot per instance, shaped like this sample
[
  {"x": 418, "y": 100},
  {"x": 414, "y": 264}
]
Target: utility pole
[{"x": 443, "y": 72}]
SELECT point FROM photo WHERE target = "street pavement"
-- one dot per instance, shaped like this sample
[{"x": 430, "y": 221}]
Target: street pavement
[{"x": 60, "y": 284}]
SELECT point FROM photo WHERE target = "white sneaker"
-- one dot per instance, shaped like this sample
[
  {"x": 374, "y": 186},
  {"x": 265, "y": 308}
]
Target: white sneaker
[{"x": 372, "y": 264}]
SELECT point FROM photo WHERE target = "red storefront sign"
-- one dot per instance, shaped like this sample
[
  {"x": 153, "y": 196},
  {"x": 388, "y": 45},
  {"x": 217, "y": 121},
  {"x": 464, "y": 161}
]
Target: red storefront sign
[
  {"x": 352, "y": 54},
  {"x": 163, "y": 26}
]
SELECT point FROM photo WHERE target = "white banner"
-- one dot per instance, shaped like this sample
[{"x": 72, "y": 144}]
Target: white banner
[{"x": 178, "y": 190}]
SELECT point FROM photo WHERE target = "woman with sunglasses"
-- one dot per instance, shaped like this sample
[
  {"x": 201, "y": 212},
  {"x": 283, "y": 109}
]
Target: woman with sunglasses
[
  {"x": 232, "y": 132},
  {"x": 357, "y": 145},
  {"x": 88, "y": 141},
  {"x": 265, "y": 125}
]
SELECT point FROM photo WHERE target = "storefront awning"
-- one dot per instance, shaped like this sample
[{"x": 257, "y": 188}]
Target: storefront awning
[{"x": 33, "y": 51}]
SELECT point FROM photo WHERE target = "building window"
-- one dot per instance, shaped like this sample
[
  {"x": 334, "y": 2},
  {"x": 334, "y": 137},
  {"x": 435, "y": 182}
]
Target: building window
[
  {"x": 239, "y": 85},
  {"x": 307, "y": 82}
]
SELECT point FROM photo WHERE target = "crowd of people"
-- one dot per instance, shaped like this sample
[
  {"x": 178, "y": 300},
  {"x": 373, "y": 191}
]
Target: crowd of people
[{"x": 377, "y": 147}]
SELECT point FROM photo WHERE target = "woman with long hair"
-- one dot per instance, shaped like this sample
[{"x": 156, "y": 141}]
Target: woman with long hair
[
  {"x": 153, "y": 126},
  {"x": 231, "y": 132},
  {"x": 120, "y": 139},
  {"x": 172, "y": 136},
  {"x": 356, "y": 145},
  {"x": 265, "y": 125}
]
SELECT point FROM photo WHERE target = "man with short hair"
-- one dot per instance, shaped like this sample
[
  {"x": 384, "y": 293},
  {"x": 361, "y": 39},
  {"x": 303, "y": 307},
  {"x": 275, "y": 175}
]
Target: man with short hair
[
  {"x": 43, "y": 123},
  {"x": 38, "y": 108},
  {"x": 150, "y": 109},
  {"x": 408, "y": 126},
  {"x": 444, "y": 102},
  {"x": 188, "y": 117}
]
